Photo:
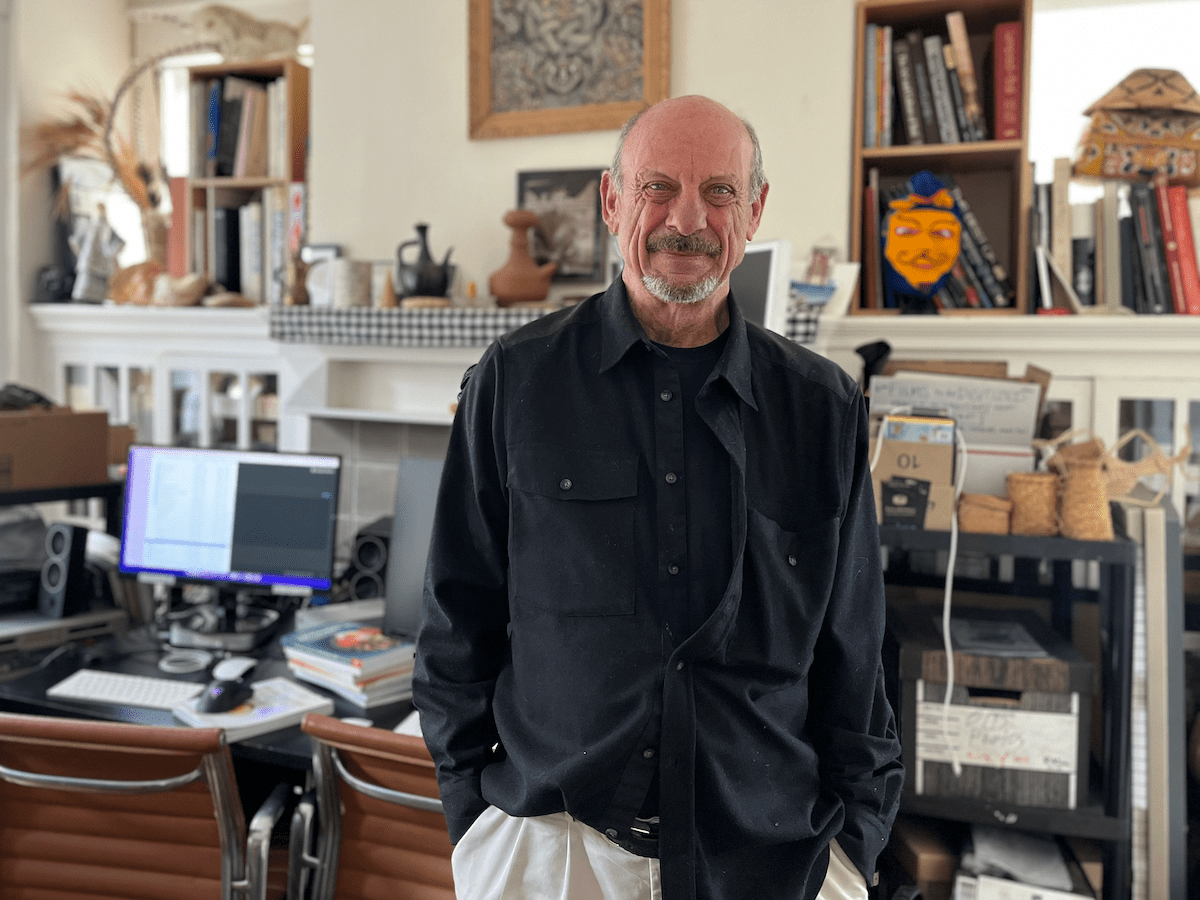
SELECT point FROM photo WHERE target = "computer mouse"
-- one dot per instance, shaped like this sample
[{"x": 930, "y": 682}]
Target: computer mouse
[{"x": 223, "y": 695}]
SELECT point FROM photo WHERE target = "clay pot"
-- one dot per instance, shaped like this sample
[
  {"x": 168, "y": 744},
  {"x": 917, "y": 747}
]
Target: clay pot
[{"x": 520, "y": 279}]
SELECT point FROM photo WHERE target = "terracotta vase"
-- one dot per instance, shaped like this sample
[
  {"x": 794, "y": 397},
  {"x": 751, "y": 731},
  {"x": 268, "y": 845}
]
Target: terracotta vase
[{"x": 520, "y": 279}]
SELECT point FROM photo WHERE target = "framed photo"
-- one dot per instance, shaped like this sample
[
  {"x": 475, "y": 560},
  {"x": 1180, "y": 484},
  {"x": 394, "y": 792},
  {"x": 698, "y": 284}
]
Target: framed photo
[
  {"x": 570, "y": 229},
  {"x": 541, "y": 68}
]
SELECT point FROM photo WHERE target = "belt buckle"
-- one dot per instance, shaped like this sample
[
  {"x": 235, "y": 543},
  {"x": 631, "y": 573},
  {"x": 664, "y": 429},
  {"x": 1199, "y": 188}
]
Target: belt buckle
[{"x": 646, "y": 829}]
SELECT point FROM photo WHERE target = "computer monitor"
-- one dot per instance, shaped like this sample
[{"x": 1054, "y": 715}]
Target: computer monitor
[
  {"x": 234, "y": 519},
  {"x": 761, "y": 282},
  {"x": 412, "y": 527}
]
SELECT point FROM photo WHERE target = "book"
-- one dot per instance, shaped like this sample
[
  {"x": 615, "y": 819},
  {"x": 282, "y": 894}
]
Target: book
[
  {"x": 277, "y": 703},
  {"x": 275, "y": 262},
  {"x": 233, "y": 91},
  {"x": 872, "y": 281},
  {"x": 870, "y": 85},
  {"x": 349, "y": 648},
  {"x": 956, "y": 27},
  {"x": 906, "y": 93},
  {"x": 1109, "y": 242},
  {"x": 1060, "y": 216},
  {"x": 1133, "y": 292},
  {"x": 956, "y": 95},
  {"x": 939, "y": 85},
  {"x": 1083, "y": 252},
  {"x": 887, "y": 97},
  {"x": 1177, "y": 199},
  {"x": 929, "y": 125},
  {"x": 388, "y": 688},
  {"x": 1008, "y": 58},
  {"x": 1170, "y": 241},
  {"x": 250, "y": 250},
  {"x": 1003, "y": 290},
  {"x": 1149, "y": 243},
  {"x": 213, "y": 137}
]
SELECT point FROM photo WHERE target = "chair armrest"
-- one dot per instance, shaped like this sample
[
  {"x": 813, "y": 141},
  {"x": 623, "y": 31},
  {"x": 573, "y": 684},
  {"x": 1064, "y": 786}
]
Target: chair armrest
[
  {"x": 258, "y": 840},
  {"x": 403, "y": 798},
  {"x": 301, "y": 843}
]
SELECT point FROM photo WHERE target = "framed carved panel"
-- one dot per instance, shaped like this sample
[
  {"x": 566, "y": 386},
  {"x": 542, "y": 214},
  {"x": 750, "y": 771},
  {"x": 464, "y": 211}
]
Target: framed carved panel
[{"x": 550, "y": 67}]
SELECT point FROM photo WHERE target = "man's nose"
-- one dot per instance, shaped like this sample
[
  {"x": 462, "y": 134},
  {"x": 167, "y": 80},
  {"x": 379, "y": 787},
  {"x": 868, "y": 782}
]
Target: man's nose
[{"x": 688, "y": 214}]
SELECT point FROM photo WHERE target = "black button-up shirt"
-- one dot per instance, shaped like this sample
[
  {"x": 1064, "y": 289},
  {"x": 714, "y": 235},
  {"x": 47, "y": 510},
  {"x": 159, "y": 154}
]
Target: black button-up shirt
[{"x": 545, "y": 678}]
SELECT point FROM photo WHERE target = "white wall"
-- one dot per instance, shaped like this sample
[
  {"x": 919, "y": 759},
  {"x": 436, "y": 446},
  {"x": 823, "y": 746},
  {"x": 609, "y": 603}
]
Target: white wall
[
  {"x": 389, "y": 141},
  {"x": 57, "y": 46}
]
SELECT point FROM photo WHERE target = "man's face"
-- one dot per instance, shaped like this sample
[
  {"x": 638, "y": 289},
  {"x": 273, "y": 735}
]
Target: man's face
[{"x": 684, "y": 212}]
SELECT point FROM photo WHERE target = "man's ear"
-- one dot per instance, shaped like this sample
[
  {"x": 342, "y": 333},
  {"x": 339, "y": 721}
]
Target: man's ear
[
  {"x": 756, "y": 211},
  {"x": 609, "y": 199}
]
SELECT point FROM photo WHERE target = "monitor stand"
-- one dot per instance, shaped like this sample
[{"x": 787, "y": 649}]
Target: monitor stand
[{"x": 224, "y": 624}]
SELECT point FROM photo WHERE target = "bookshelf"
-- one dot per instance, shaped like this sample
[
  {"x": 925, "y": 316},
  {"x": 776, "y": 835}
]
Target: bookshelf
[
  {"x": 994, "y": 175},
  {"x": 212, "y": 192}
]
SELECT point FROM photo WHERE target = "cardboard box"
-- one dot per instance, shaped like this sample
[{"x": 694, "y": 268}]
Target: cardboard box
[
  {"x": 934, "y": 516},
  {"x": 41, "y": 448},
  {"x": 923, "y": 850},
  {"x": 119, "y": 439},
  {"x": 1019, "y": 717}
]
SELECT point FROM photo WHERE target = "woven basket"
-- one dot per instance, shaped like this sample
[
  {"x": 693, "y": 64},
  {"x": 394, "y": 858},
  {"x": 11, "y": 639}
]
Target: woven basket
[
  {"x": 983, "y": 513},
  {"x": 1121, "y": 475},
  {"x": 1083, "y": 502},
  {"x": 1034, "y": 497}
]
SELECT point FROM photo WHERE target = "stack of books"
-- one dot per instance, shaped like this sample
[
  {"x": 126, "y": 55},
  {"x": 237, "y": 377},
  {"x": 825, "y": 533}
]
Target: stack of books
[{"x": 355, "y": 661}]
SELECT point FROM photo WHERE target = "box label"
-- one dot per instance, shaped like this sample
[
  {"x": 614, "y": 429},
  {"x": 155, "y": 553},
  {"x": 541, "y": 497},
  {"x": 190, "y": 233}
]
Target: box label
[{"x": 995, "y": 737}]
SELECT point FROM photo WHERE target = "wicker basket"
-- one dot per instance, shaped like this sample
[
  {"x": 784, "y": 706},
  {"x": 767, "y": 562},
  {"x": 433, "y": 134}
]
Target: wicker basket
[
  {"x": 983, "y": 513},
  {"x": 1034, "y": 497},
  {"x": 1084, "y": 503}
]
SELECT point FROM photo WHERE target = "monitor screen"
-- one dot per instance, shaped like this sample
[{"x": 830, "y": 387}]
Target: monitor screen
[
  {"x": 231, "y": 517},
  {"x": 761, "y": 281}
]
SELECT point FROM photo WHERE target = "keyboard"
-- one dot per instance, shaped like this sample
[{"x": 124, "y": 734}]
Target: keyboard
[{"x": 121, "y": 689}]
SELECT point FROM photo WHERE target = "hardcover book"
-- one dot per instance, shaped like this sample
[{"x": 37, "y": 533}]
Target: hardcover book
[
  {"x": 939, "y": 85},
  {"x": 929, "y": 124},
  {"x": 1003, "y": 287},
  {"x": 956, "y": 96},
  {"x": 1170, "y": 242},
  {"x": 348, "y": 647},
  {"x": 906, "y": 92},
  {"x": 956, "y": 26},
  {"x": 1008, "y": 56},
  {"x": 277, "y": 703},
  {"x": 1177, "y": 198},
  {"x": 1149, "y": 242},
  {"x": 870, "y": 86}
]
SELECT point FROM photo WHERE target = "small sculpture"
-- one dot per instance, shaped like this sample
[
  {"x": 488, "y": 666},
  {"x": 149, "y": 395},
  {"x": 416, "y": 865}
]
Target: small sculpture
[
  {"x": 520, "y": 279},
  {"x": 424, "y": 277}
]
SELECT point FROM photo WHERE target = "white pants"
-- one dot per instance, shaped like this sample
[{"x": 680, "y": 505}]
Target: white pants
[{"x": 554, "y": 857}]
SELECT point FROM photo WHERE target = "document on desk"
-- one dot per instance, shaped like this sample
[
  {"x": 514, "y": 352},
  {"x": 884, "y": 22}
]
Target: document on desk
[{"x": 277, "y": 703}]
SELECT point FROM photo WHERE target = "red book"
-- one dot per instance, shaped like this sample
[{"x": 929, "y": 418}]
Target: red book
[
  {"x": 1177, "y": 202},
  {"x": 1008, "y": 58},
  {"x": 1170, "y": 241}
]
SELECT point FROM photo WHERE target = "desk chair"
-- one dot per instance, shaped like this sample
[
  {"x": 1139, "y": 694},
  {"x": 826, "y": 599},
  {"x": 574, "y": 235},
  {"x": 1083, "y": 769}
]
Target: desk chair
[
  {"x": 93, "y": 809},
  {"x": 379, "y": 828}
]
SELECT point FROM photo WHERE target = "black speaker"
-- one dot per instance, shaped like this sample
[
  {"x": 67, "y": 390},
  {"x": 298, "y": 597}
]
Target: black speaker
[
  {"x": 66, "y": 585},
  {"x": 366, "y": 574}
]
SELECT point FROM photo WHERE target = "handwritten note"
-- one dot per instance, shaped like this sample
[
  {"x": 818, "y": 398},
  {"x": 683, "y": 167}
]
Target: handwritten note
[{"x": 987, "y": 410}]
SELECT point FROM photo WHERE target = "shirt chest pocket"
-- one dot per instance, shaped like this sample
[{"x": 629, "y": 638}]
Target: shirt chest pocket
[{"x": 571, "y": 533}]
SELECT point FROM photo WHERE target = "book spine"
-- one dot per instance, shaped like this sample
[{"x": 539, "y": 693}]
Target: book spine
[
  {"x": 1110, "y": 237},
  {"x": 992, "y": 294},
  {"x": 1149, "y": 238},
  {"x": 870, "y": 86},
  {"x": 929, "y": 126},
  {"x": 214, "y": 127},
  {"x": 1060, "y": 214},
  {"x": 1170, "y": 242},
  {"x": 939, "y": 85},
  {"x": 872, "y": 281},
  {"x": 1008, "y": 56},
  {"x": 956, "y": 95},
  {"x": 1004, "y": 283},
  {"x": 1189, "y": 269},
  {"x": 1133, "y": 291},
  {"x": 250, "y": 250},
  {"x": 906, "y": 91},
  {"x": 887, "y": 99},
  {"x": 956, "y": 27}
]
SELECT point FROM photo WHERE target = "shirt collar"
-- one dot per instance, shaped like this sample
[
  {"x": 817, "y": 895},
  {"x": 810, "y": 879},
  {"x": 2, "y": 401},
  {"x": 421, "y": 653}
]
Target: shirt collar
[{"x": 621, "y": 331}]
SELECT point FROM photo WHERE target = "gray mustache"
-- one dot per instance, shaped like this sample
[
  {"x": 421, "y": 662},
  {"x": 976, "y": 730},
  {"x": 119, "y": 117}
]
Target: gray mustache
[{"x": 684, "y": 243}]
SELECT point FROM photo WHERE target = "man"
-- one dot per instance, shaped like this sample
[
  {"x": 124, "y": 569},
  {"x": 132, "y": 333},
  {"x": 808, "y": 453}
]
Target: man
[{"x": 650, "y": 664}]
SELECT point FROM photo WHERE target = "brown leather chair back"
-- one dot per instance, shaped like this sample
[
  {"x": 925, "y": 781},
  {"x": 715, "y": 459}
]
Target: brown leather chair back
[
  {"x": 381, "y": 830},
  {"x": 102, "y": 809}
]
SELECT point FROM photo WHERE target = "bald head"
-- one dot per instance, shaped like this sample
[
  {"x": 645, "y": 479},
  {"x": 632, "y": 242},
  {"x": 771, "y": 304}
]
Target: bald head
[{"x": 757, "y": 177}]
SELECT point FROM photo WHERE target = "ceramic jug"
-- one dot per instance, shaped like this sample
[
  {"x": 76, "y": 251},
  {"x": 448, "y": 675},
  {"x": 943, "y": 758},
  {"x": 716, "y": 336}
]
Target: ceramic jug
[
  {"x": 520, "y": 279},
  {"x": 422, "y": 276}
]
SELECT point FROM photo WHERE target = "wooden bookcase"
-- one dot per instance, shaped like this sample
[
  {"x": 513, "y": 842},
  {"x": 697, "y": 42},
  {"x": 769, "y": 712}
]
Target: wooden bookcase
[
  {"x": 206, "y": 193},
  {"x": 994, "y": 175}
]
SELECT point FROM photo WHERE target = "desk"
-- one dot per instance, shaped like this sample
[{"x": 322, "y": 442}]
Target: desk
[{"x": 138, "y": 653}]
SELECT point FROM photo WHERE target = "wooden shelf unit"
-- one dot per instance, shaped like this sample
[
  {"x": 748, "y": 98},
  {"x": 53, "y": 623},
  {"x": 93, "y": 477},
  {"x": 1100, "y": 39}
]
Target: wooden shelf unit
[{"x": 995, "y": 176}]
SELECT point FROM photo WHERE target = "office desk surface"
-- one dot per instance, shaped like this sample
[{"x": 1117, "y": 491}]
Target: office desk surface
[{"x": 138, "y": 653}]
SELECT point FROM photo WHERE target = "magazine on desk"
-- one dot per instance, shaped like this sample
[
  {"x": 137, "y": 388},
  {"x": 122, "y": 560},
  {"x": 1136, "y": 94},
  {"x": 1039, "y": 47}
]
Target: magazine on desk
[
  {"x": 348, "y": 649},
  {"x": 277, "y": 703}
]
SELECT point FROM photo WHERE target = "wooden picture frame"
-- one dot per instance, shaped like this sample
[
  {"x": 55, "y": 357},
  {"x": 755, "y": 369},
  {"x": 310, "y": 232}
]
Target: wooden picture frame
[
  {"x": 571, "y": 230},
  {"x": 591, "y": 92}
]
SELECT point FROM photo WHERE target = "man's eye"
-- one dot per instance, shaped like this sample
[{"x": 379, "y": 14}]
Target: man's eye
[
  {"x": 657, "y": 186},
  {"x": 722, "y": 189}
]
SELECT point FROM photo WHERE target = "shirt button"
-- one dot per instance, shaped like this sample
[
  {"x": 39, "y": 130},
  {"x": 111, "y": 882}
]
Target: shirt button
[
  {"x": 611, "y": 834},
  {"x": 673, "y": 569},
  {"x": 565, "y": 484},
  {"x": 670, "y": 478},
  {"x": 679, "y": 666},
  {"x": 791, "y": 560},
  {"x": 648, "y": 753},
  {"x": 665, "y": 396}
]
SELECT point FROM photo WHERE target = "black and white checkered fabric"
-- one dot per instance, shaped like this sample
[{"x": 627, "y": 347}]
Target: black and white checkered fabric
[{"x": 450, "y": 326}]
